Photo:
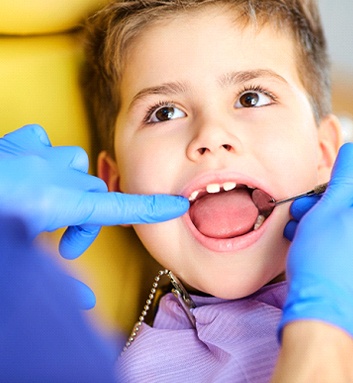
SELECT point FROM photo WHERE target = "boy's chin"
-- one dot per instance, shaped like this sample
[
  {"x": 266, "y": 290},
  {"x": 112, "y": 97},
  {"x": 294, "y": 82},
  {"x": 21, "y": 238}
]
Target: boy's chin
[
  {"x": 280, "y": 278},
  {"x": 232, "y": 290}
]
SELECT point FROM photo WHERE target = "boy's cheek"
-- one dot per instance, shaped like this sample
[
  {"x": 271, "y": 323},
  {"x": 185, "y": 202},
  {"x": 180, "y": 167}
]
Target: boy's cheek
[{"x": 324, "y": 175}]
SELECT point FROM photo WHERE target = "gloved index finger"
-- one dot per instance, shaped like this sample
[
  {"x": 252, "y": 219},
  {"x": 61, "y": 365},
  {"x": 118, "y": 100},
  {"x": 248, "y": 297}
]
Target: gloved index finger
[
  {"x": 118, "y": 208},
  {"x": 340, "y": 189},
  {"x": 115, "y": 209}
]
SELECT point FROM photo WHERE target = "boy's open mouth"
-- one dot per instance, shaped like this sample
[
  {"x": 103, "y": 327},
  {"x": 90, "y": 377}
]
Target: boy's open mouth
[{"x": 227, "y": 210}]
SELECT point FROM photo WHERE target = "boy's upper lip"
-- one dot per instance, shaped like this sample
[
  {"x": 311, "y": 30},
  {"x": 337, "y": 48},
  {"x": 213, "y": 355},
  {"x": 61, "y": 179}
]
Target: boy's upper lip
[{"x": 222, "y": 177}]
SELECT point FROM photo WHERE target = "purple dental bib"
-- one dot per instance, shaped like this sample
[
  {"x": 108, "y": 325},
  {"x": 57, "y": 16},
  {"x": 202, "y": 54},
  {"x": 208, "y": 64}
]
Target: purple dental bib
[{"x": 234, "y": 341}]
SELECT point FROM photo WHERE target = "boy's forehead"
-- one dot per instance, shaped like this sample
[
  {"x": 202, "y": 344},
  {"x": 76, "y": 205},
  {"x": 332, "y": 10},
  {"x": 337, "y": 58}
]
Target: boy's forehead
[
  {"x": 192, "y": 45},
  {"x": 186, "y": 20}
]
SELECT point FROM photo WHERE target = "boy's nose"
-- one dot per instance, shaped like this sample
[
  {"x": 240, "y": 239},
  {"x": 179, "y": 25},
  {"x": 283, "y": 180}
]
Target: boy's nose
[{"x": 212, "y": 142}]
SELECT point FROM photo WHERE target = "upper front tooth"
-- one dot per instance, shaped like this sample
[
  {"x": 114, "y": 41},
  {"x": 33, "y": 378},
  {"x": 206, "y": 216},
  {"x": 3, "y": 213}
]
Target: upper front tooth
[
  {"x": 193, "y": 195},
  {"x": 229, "y": 186},
  {"x": 213, "y": 188}
]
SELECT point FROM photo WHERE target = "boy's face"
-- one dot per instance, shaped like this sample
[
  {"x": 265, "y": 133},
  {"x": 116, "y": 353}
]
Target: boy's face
[{"x": 206, "y": 102}]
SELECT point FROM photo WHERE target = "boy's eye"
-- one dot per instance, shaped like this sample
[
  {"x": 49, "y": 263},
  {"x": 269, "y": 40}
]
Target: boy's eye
[
  {"x": 251, "y": 99},
  {"x": 166, "y": 113}
]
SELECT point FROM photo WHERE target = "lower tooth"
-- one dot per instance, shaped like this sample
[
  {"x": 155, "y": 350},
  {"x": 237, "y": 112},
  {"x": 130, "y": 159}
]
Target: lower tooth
[{"x": 260, "y": 220}]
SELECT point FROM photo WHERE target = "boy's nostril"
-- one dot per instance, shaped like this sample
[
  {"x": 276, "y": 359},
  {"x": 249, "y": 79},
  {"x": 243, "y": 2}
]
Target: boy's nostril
[
  {"x": 227, "y": 147},
  {"x": 202, "y": 150}
]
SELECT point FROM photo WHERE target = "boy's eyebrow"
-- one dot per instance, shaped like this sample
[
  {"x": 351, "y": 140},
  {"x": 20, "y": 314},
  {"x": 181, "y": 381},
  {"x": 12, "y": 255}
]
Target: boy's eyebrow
[
  {"x": 166, "y": 89},
  {"x": 231, "y": 78},
  {"x": 236, "y": 78}
]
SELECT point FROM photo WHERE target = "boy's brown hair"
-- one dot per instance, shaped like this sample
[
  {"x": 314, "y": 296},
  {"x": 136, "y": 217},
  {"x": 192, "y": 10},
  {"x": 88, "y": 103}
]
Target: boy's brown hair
[{"x": 111, "y": 31}]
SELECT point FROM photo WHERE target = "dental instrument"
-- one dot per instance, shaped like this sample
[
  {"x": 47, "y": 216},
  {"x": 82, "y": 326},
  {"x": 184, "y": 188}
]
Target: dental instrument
[{"x": 265, "y": 203}]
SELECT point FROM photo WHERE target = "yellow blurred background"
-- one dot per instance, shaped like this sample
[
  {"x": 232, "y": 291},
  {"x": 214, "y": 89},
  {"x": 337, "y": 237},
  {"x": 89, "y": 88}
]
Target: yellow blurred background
[{"x": 40, "y": 57}]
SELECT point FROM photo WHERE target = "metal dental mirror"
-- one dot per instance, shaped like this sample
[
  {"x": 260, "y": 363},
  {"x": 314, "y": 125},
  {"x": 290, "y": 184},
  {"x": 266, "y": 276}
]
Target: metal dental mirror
[{"x": 265, "y": 203}]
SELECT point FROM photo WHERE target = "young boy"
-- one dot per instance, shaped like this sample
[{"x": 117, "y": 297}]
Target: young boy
[{"x": 211, "y": 100}]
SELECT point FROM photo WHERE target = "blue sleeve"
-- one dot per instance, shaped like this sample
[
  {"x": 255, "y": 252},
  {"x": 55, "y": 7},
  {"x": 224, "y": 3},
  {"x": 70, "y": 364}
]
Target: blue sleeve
[{"x": 43, "y": 334}]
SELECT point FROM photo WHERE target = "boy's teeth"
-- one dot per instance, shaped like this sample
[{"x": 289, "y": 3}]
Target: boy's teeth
[
  {"x": 227, "y": 186},
  {"x": 194, "y": 195},
  {"x": 213, "y": 188},
  {"x": 216, "y": 188},
  {"x": 260, "y": 220}
]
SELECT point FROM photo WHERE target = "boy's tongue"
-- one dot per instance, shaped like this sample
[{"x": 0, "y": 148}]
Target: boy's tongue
[{"x": 224, "y": 215}]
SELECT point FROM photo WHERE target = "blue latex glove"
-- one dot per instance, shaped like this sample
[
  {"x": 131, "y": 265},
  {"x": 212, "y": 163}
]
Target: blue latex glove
[
  {"x": 298, "y": 209},
  {"x": 49, "y": 188},
  {"x": 43, "y": 335},
  {"x": 320, "y": 259}
]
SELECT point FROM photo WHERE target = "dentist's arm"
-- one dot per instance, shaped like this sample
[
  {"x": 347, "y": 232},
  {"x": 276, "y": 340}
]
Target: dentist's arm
[
  {"x": 314, "y": 352},
  {"x": 44, "y": 336},
  {"x": 316, "y": 330}
]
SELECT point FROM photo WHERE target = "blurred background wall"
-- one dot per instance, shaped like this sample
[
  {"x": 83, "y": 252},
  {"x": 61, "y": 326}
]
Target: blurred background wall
[{"x": 337, "y": 18}]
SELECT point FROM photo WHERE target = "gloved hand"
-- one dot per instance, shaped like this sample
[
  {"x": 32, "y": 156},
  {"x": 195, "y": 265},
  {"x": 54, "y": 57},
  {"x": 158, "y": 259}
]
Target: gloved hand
[
  {"x": 320, "y": 259},
  {"x": 49, "y": 188},
  {"x": 298, "y": 209},
  {"x": 43, "y": 335}
]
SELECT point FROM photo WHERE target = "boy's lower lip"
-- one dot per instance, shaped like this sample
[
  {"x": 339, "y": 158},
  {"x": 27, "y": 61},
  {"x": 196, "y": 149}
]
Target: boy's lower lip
[{"x": 225, "y": 245}]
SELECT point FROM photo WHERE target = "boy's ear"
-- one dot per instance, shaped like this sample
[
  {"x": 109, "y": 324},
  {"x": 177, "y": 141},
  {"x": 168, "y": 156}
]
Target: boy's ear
[
  {"x": 107, "y": 169},
  {"x": 330, "y": 140}
]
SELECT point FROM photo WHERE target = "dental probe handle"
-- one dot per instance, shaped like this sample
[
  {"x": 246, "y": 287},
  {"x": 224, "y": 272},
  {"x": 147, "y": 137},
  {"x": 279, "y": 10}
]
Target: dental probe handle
[{"x": 319, "y": 189}]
